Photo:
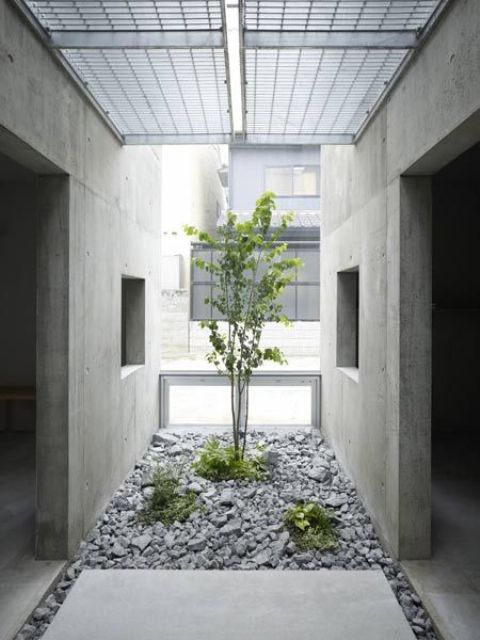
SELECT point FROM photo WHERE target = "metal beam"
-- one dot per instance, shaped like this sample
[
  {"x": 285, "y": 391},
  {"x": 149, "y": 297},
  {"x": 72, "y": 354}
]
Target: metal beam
[
  {"x": 136, "y": 39},
  {"x": 293, "y": 138},
  {"x": 155, "y": 139},
  {"x": 330, "y": 39}
]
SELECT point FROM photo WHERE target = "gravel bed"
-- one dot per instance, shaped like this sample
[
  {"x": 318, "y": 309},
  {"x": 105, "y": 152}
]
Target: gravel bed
[{"x": 240, "y": 526}]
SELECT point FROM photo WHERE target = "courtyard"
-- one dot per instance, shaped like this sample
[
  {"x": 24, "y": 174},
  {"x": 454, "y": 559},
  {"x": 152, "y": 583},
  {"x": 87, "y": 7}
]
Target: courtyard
[{"x": 291, "y": 186}]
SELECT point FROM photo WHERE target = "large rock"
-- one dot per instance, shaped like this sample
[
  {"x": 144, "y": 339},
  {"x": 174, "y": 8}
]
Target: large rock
[
  {"x": 263, "y": 557},
  {"x": 141, "y": 542},
  {"x": 227, "y": 498},
  {"x": 166, "y": 439},
  {"x": 197, "y": 544},
  {"x": 234, "y": 527},
  {"x": 118, "y": 551}
]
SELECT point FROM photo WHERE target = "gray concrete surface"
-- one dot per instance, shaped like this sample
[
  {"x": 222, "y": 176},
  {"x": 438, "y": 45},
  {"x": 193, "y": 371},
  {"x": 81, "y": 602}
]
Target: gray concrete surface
[
  {"x": 102, "y": 223},
  {"x": 205, "y": 605},
  {"x": 375, "y": 219},
  {"x": 449, "y": 583},
  {"x": 23, "y": 580}
]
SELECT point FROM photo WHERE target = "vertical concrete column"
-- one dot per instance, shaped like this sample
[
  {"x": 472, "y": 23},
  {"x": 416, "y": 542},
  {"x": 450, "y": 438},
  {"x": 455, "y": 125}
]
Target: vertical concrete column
[
  {"x": 409, "y": 297},
  {"x": 52, "y": 366}
]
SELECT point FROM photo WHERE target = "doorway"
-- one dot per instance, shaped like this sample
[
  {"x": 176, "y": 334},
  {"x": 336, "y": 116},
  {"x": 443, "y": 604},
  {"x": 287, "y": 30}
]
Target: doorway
[
  {"x": 449, "y": 583},
  {"x": 23, "y": 579}
]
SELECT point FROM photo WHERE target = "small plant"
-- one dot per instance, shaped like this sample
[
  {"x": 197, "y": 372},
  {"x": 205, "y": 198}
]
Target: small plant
[
  {"x": 311, "y": 526},
  {"x": 166, "y": 503},
  {"x": 218, "y": 462}
]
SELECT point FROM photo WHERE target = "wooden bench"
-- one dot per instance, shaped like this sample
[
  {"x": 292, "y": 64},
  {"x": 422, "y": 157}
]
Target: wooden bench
[{"x": 9, "y": 395}]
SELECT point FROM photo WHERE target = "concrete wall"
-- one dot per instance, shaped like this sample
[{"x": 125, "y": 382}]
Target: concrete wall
[
  {"x": 246, "y": 174},
  {"x": 376, "y": 218},
  {"x": 98, "y": 219}
]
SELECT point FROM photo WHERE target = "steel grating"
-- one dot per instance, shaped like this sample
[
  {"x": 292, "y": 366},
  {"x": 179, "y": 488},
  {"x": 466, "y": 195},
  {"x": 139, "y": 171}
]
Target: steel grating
[
  {"x": 112, "y": 15},
  {"x": 314, "y": 93},
  {"x": 315, "y": 70},
  {"x": 337, "y": 15},
  {"x": 180, "y": 92},
  {"x": 156, "y": 69},
  {"x": 160, "y": 71}
]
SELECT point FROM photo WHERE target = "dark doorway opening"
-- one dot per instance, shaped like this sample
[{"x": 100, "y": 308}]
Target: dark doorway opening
[
  {"x": 17, "y": 360},
  {"x": 456, "y": 353},
  {"x": 456, "y": 387},
  {"x": 23, "y": 580}
]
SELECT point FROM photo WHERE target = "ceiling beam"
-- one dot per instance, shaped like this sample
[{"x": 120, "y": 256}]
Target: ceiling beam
[
  {"x": 136, "y": 39},
  {"x": 294, "y": 138},
  {"x": 176, "y": 138},
  {"x": 330, "y": 39}
]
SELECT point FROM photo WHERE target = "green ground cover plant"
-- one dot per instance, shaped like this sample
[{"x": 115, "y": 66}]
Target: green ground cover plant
[
  {"x": 217, "y": 462},
  {"x": 167, "y": 504},
  {"x": 311, "y": 526}
]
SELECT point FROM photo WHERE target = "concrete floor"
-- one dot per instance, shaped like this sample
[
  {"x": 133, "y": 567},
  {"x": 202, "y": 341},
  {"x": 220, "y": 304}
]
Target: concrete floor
[
  {"x": 449, "y": 583},
  {"x": 240, "y": 605},
  {"x": 23, "y": 580}
]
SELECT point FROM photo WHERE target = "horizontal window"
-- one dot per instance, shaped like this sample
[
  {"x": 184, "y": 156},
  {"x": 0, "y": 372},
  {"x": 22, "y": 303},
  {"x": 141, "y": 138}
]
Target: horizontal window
[
  {"x": 293, "y": 180},
  {"x": 300, "y": 300}
]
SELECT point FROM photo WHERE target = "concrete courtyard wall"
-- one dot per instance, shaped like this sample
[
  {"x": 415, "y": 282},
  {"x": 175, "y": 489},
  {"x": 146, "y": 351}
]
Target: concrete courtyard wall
[
  {"x": 376, "y": 216},
  {"x": 99, "y": 219}
]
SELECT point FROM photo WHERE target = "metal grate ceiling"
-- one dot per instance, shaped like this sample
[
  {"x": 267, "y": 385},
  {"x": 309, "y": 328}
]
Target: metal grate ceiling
[
  {"x": 159, "y": 71},
  {"x": 306, "y": 95},
  {"x": 123, "y": 15},
  {"x": 337, "y": 15},
  {"x": 158, "y": 92},
  {"x": 315, "y": 69}
]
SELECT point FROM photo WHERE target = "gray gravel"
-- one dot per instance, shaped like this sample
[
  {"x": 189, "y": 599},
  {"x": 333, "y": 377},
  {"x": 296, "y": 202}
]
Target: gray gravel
[{"x": 240, "y": 525}]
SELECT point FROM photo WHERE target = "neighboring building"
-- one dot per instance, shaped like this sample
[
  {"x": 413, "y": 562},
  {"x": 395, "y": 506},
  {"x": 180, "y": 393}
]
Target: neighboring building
[
  {"x": 192, "y": 193},
  {"x": 293, "y": 174}
]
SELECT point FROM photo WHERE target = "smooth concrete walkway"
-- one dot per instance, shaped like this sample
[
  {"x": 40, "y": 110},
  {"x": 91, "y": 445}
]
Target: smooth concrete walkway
[
  {"x": 449, "y": 583},
  {"x": 238, "y": 605},
  {"x": 23, "y": 580}
]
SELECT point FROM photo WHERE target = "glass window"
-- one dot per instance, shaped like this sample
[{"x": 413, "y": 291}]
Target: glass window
[
  {"x": 200, "y": 275},
  {"x": 279, "y": 180},
  {"x": 305, "y": 181},
  {"x": 310, "y": 271},
  {"x": 308, "y": 302},
  {"x": 200, "y": 310},
  {"x": 292, "y": 181}
]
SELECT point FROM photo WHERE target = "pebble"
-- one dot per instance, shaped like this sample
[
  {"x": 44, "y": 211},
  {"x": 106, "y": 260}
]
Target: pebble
[{"x": 239, "y": 525}]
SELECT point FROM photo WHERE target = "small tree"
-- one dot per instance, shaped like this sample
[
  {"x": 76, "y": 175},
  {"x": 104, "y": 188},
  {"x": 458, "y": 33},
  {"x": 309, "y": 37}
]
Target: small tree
[{"x": 249, "y": 274}]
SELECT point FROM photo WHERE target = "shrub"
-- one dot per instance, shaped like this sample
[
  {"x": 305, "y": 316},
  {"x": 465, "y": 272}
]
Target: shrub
[
  {"x": 311, "y": 526},
  {"x": 218, "y": 462},
  {"x": 166, "y": 503}
]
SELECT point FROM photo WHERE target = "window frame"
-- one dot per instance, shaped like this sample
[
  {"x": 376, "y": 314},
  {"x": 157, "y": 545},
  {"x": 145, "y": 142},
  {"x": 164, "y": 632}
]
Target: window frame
[
  {"x": 294, "y": 247},
  {"x": 292, "y": 167}
]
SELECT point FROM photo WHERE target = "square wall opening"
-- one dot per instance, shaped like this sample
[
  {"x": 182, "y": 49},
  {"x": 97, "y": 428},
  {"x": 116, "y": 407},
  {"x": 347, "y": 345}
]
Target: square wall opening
[{"x": 133, "y": 321}]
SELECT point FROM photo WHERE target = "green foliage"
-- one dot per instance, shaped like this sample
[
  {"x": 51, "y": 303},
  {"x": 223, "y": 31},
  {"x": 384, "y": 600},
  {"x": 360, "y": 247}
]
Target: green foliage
[
  {"x": 166, "y": 503},
  {"x": 311, "y": 526},
  {"x": 217, "y": 462},
  {"x": 250, "y": 273}
]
